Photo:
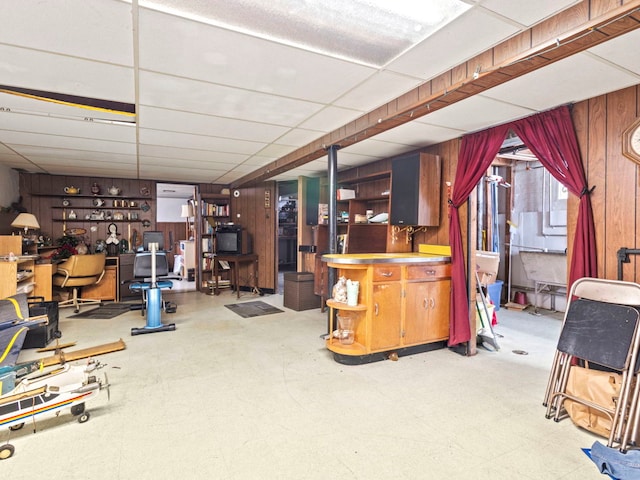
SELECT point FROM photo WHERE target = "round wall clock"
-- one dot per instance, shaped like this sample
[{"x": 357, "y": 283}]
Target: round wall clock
[{"x": 631, "y": 142}]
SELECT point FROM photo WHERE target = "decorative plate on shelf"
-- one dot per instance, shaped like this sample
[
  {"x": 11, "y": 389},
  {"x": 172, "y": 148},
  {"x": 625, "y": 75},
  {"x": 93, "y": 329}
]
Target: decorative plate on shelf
[{"x": 75, "y": 231}]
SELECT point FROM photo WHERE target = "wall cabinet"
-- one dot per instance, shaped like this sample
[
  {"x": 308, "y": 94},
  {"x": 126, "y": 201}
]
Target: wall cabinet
[
  {"x": 415, "y": 184},
  {"x": 403, "y": 305}
]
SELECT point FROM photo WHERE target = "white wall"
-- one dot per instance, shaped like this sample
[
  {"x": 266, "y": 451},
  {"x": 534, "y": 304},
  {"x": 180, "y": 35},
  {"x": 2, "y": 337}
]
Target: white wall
[
  {"x": 169, "y": 209},
  {"x": 9, "y": 186}
]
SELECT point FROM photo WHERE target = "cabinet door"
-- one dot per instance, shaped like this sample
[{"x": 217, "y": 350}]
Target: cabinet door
[
  {"x": 427, "y": 312},
  {"x": 385, "y": 317},
  {"x": 106, "y": 289}
]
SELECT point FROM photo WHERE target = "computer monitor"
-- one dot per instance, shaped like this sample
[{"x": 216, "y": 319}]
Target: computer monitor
[{"x": 152, "y": 237}]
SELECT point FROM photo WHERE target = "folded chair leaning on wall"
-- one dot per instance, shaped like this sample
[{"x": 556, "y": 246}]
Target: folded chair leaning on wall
[
  {"x": 76, "y": 272},
  {"x": 602, "y": 328}
]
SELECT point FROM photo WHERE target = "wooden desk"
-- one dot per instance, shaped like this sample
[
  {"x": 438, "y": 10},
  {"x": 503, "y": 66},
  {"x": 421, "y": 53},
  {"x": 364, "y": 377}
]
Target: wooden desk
[
  {"x": 234, "y": 262},
  {"x": 107, "y": 289}
]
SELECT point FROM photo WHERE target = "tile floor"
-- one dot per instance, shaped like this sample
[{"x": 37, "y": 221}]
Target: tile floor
[{"x": 223, "y": 397}]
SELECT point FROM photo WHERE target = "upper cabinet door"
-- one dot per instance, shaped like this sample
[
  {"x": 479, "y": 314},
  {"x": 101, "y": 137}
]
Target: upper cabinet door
[{"x": 415, "y": 190}]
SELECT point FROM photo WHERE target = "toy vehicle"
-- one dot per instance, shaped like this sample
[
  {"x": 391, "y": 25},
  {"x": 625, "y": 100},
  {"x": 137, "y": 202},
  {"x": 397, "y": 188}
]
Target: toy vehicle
[{"x": 43, "y": 393}]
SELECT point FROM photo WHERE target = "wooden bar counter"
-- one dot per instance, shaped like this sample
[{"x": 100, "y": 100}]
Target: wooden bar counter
[{"x": 403, "y": 305}]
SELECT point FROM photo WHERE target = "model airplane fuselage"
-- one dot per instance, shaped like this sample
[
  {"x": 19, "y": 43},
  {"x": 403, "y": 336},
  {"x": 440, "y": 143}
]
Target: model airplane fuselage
[{"x": 43, "y": 393}]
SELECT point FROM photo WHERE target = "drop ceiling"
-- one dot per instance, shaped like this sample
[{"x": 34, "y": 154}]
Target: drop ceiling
[{"x": 222, "y": 89}]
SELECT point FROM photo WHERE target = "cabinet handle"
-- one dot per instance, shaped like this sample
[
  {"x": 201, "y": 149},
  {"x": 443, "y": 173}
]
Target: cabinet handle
[
  {"x": 430, "y": 272},
  {"x": 425, "y": 303},
  {"x": 375, "y": 309},
  {"x": 386, "y": 274},
  {"x": 432, "y": 301}
]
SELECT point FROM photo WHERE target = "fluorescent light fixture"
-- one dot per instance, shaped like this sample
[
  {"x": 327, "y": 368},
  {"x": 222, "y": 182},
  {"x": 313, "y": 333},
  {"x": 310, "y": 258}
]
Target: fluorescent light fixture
[{"x": 371, "y": 32}]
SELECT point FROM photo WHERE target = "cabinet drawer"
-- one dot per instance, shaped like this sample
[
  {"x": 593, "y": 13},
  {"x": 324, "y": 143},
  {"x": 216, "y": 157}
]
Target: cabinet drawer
[
  {"x": 426, "y": 272},
  {"x": 385, "y": 274}
]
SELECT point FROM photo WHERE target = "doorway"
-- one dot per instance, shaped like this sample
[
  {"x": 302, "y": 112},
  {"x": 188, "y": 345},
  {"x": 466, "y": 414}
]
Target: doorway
[
  {"x": 287, "y": 211},
  {"x": 178, "y": 231},
  {"x": 524, "y": 209}
]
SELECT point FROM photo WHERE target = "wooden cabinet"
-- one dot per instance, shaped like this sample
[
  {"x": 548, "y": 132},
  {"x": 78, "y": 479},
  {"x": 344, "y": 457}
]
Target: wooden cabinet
[
  {"x": 17, "y": 272},
  {"x": 403, "y": 305},
  {"x": 428, "y": 293},
  {"x": 415, "y": 187}
]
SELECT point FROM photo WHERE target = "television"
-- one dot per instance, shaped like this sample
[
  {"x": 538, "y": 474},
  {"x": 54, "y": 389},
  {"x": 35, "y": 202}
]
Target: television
[
  {"x": 232, "y": 240},
  {"x": 152, "y": 237}
]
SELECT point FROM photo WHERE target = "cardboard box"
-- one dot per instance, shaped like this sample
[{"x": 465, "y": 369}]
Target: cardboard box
[
  {"x": 487, "y": 264},
  {"x": 345, "y": 194}
]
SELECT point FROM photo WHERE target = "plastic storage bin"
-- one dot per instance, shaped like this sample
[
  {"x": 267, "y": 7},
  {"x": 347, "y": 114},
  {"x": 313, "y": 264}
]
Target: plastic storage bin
[{"x": 495, "y": 292}]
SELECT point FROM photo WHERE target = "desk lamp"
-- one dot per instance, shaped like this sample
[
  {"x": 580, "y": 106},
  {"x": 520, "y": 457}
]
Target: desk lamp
[{"x": 26, "y": 221}]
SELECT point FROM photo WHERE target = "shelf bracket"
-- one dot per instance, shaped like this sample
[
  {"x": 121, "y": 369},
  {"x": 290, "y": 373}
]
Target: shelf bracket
[{"x": 409, "y": 231}]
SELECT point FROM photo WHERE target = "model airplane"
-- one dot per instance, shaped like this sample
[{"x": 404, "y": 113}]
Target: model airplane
[{"x": 48, "y": 392}]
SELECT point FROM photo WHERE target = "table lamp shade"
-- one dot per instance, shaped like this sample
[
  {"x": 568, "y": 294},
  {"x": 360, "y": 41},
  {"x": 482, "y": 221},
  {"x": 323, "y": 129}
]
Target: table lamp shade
[
  {"x": 26, "y": 221},
  {"x": 187, "y": 211}
]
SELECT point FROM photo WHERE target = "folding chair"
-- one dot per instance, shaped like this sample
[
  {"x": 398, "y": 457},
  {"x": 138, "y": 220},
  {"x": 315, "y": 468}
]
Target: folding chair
[{"x": 600, "y": 327}]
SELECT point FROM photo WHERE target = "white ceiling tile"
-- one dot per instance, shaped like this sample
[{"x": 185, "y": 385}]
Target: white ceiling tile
[
  {"x": 16, "y": 125},
  {"x": 418, "y": 134},
  {"x": 377, "y": 90},
  {"x": 476, "y": 113},
  {"x": 24, "y": 68},
  {"x": 178, "y": 154},
  {"x": 200, "y": 51},
  {"x": 95, "y": 30},
  {"x": 200, "y": 97},
  {"x": 471, "y": 33},
  {"x": 541, "y": 89},
  {"x": 198, "y": 142},
  {"x": 200, "y": 124},
  {"x": 149, "y": 162},
  {"x": 330, "y": 118},
  {"x": 299, "y": 137},
  {"x": 275, "y": 150},
  {"x": 47, "y": 155},
  {"x": 617, "y": 51},
  {"x": 526, "y": 12},
  {"x": 22, "y": 140}
]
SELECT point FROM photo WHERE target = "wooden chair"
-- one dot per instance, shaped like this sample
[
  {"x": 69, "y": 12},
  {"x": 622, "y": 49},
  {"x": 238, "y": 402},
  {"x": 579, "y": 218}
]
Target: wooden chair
[{"x": 76, "y": 272}]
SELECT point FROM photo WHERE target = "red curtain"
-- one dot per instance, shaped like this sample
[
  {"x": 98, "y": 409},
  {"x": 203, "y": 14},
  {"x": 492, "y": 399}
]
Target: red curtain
[
  {"x": 476, "y": 154},
  {"x": 551, "y": 137}
]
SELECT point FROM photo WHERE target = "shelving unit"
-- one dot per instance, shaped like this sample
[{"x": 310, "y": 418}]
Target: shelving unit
[
  {"x": 214, "y": 210},
  {"x": 82, "y": 211},
  {"x": 17, "y": 275}
]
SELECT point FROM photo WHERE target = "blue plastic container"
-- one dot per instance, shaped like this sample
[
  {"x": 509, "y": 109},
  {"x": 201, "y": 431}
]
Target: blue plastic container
[{"x": 495, "y": 292}]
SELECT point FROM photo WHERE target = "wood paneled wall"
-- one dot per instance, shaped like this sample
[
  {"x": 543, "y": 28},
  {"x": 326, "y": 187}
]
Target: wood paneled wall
[
  {"x": 599, "y": 123},
  {"x": 251, "y": 211}
]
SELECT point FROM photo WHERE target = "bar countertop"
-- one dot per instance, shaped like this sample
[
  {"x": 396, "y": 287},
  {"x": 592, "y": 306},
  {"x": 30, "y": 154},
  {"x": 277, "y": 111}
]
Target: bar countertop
[{"x": 370, "y": 258}]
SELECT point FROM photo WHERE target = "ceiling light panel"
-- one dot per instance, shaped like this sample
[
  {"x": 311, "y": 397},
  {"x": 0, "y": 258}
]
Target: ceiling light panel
[{"x": 371, "y": 32}]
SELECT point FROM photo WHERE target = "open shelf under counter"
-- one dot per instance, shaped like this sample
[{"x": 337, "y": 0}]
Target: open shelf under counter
[{"x": 344, "y": 306}]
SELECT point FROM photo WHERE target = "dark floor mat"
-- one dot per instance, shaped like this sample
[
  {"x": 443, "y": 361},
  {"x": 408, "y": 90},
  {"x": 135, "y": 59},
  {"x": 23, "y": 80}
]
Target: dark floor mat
[
  {"x": 109, "y": 310},
  {"x": 253, "y": 309}
]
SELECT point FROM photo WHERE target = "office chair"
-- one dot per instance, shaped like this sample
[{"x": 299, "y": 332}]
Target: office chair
[{"x": 76, "y": 272}]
